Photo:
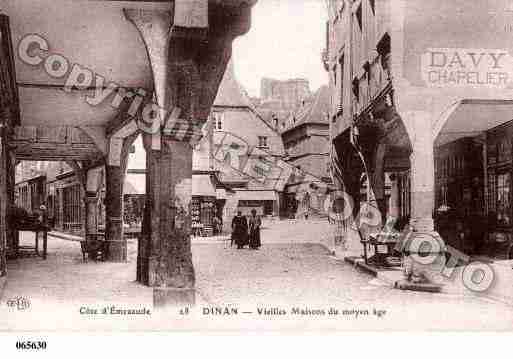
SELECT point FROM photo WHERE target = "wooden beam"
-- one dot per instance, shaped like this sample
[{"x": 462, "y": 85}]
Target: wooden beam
[{"x": 25, "y": 150}]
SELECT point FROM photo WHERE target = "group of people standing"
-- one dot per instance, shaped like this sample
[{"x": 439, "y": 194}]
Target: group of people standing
[{"x": 246, "y": 231}]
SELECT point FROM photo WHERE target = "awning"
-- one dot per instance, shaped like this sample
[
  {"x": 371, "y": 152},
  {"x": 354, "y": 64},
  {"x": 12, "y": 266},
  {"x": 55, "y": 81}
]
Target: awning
[
  {"x": 257, "y": 195},
  {"x": 202, "y": 186},
  {"x": 469, "y": 118},
  {"x": 135, "y": 183}
]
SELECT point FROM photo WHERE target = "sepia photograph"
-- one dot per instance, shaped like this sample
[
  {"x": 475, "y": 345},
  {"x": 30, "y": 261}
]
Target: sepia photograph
[{"x": 255, "y": 165}]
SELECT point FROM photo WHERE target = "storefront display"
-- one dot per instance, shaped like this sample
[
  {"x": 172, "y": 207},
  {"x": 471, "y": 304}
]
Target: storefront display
[{"x": 203, "y": 210}]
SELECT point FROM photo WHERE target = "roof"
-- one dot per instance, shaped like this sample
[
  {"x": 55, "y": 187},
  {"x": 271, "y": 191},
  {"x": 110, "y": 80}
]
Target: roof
[
  {"x": 230, "y": 93},
  {"x": 313, "y": 110}
]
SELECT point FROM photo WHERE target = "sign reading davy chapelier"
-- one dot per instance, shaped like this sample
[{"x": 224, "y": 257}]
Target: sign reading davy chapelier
[{"x": 442, "y": 67}]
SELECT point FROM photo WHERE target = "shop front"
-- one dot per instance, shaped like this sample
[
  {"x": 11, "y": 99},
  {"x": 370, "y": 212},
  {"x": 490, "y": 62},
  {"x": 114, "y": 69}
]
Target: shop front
[
  {"x": 264, "y": 202},
  {"x": 473, "y": 187},
  {"x": 203, "y": 205}
]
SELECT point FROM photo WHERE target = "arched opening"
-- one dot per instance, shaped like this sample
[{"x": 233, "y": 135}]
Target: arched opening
[{"x": 472, "y": 151}]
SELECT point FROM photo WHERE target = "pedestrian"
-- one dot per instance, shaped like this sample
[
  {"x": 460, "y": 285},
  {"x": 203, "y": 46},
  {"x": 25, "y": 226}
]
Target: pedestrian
[
  {"x": 239, "y": 230},
  {"x": 254, "y": 230}
]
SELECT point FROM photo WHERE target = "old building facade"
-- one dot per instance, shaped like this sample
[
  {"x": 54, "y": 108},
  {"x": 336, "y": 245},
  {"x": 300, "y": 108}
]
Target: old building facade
[
  {"x": 242, "y": 143},
  {"x": 306, "y": 135},
  {"x": 409, "y": 95}
]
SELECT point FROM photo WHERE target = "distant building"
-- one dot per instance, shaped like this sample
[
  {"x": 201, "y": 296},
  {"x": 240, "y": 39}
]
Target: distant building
[
  {"x": 306, "y": 135},
  {"x": 290, "y": 92},
  {"x": 280, "y": 98},
  {"x": 235, "y": 122}
]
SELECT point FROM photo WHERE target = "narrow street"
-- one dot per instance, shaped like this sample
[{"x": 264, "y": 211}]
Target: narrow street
[{"x": 287, "y": 272}]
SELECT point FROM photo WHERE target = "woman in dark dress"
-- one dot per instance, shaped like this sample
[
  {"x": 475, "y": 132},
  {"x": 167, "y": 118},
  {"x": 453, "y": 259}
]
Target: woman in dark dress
[
  {"x": 254, "y": 230},
  {"x": 240, "y": 230}
]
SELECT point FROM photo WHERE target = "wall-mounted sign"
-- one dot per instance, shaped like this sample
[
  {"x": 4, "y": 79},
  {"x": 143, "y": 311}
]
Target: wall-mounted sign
[{"x": 442, "y": 67}]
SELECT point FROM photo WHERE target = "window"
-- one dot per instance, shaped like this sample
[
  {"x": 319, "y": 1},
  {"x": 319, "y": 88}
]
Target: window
[
  {"x": 373, "y": 6},
  {"x": 356, "y": 89},
  {"x": 275, "y": 120},
  {"x": 218, "y": 120},
  {"x": 503, "y": 201},
  {"x": 384, "y": 49},
  {"x": 359, "y": 16},
  {"x": 341, "y": 86},
  {"x": 262, "y": 141}
]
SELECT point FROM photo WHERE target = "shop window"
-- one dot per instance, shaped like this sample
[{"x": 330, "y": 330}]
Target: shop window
[
  {"x": 503, "y": 205},
  {"x": 268, "y": 207},
  {"x": 207, "y": 213}
]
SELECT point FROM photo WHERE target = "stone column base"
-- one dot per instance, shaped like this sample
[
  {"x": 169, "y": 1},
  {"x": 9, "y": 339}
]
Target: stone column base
[
  {"x": 116, "y": 250},
  {"x": 173, "y": 297},
  {"x": 425, "y": 257}
]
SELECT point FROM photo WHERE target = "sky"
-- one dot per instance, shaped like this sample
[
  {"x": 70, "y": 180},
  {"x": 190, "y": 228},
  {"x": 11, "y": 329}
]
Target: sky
[{"x": 285, "y": 41}]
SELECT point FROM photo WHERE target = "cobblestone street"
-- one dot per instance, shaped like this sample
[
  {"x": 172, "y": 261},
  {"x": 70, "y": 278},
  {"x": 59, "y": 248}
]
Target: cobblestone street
[{"x": 290, "y": 270}]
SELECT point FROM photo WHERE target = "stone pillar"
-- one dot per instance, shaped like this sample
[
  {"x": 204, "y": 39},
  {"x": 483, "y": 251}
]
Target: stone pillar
[
  {"x": 188, "y": 63},
  {"x": 422, "y": 187},
  {"x": 168, "y": 257},
  {"x": 423, "y": 238},
  {"x": 91, "y": 212},
  {"x": 116, "y": 243}
]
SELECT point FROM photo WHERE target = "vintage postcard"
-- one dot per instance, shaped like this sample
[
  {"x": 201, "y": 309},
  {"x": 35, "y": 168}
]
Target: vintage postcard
[{"x": 270, "y": 165}]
